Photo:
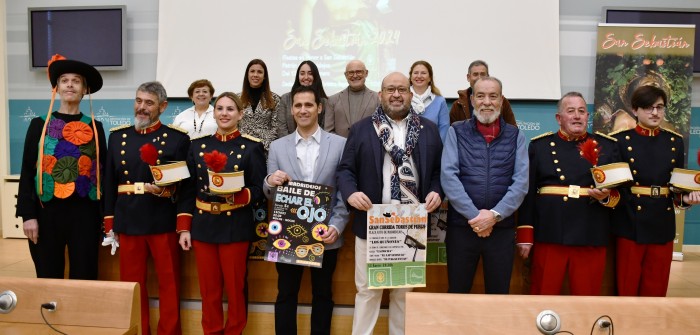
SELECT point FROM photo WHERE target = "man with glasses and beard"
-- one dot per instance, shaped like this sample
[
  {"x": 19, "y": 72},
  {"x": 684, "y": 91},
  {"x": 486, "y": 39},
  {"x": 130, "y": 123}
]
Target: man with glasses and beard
[
  {"x": 485, "y": 176},
  {"x": 393, "y": 138},
  {"x": 140, "y": 215}
]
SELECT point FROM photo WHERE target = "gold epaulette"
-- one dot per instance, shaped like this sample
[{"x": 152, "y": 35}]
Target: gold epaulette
[
  {"x": 541, "y": 136},
  {"x": 606, "y": 136},
  {"x": 672, "y": 132},
  {"x": 198, "y": 137},
  {"x": 172, "y": 126},
  {"x": 252, "y": 138},
  {"x": 117, "y": 128},
  {"x": 618, "y": 131}
]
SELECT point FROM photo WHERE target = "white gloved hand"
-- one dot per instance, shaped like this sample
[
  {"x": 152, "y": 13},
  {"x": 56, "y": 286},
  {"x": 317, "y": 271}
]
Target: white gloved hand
[{"x": 110, "y": 239}]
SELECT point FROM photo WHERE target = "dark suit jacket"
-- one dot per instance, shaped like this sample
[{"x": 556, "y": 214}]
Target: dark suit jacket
[{"x": 360, "y": 168}]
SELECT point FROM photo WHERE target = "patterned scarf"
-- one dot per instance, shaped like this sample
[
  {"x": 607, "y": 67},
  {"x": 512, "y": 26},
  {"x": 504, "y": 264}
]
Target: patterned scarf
[{"x": 403, "y": 179}]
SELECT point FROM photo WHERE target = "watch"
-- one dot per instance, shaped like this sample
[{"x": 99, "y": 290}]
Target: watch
[{"x": 496, "y": 215}]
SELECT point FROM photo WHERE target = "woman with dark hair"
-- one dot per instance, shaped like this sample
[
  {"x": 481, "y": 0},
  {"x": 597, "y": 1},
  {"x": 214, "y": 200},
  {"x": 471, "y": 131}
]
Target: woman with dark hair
[
  {"x": 645, "y": 227},
  {"x": 60, "y": 181},
  {"x": 307, "y": 75},
  {"x": 259, "y": 104},
  {"x": 198, "y": 120},
  {"x": 222, "y": 219},
  {"x": 427, "y": 101}
]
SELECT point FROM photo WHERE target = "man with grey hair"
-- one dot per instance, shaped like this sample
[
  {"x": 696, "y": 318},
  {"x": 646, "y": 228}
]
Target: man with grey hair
[
  {"x": 485, "y": 176},
  {"x": 394, "y": 139},
  {"x": 351, "y": 104},
  {"x": 140, "y": 215},
  {"x": 462, "y": 108}
]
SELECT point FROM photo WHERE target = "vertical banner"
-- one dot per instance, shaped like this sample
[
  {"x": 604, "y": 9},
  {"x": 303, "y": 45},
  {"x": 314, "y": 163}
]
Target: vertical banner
[
  {"x": 437, "y": 229},
  {"x": 396, "y": 245},
  {"x": 633, "y": 55},
  {"x": 300, "y": 215}
]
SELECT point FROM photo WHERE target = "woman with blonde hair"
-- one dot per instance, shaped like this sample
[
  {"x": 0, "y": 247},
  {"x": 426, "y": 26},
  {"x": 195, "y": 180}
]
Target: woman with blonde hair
[{"x": 427, "y": 101}]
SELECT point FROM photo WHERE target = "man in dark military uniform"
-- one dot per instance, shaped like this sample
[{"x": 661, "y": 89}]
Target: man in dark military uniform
[
  {"x": 141, "y": 215},
  {"x": 645, "y": 225},
  {"x": 566, "y": 218}
]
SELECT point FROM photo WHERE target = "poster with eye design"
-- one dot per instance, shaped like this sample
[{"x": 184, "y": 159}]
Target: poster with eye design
[
  {"x": 298, "y": 222},
  {"x": 396, "y": 245}
]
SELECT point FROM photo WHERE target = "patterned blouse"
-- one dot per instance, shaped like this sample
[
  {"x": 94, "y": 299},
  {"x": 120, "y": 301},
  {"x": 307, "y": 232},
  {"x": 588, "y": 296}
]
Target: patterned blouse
[{"x": 262, "y": 122}]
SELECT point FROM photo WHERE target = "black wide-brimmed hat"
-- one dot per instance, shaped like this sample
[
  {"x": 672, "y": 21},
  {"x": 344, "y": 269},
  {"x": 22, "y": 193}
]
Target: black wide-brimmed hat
[{"x": 58, "y": 67}]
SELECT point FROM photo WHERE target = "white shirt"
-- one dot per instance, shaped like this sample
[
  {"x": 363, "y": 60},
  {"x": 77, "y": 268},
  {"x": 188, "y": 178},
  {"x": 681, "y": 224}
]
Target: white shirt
[
  {"x": 307, "y": 153},
  {"x": 399, "y": 130},
  {"x": 196, "y": 125}
]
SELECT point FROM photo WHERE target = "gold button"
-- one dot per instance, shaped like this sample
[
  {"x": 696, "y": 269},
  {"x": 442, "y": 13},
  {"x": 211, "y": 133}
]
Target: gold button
[
  {"x": 157, "y": 161},
  {"x": 126, "y": 172},
  {"x": 160, "y": 152},
  {"x": 556, "y": 161},
  {"x": 165, "y": 134},
  {"x": 565, "y": 198},
  {"x": 200, "y": 211},
  {"x": 123, "y": 135},
  {"x": 627, "y": 137},
  {"x": 123, "y": 143},
  {"x": 238, "y": 156},
  {"x": 200, "y": 178},
  {"x": 673, "y": 160},
  {"x": 636, "y": 183},
  {"x": 639, "y": 208},
  {"x": 673, "y": 149},
  {"x": 123, "y": 152},
  {"x": 552, "y": 144},
  {"x": 199, "y": 166},
  {"x": 228, "y": 213},
  {"x": 128, "y": 182},
  {"x": 554, "y": 152},
  {"x": 162, "y": 143},
  {"x": 558, "y": 170},
  {"x": 204, "y": 145},
  {"x": 668, "y": 208},
  {"x": 673, "y": 139},
  {"x": 629, "y": 148},
  {"x": 242, "y": 146},
  {"x": 561, "y": 177},
  {"x": 123, "y": 162},
  {"x": 639, "y": 195},
  {"x": 201, "y": 154},
  {"x": 631, "y": 160},
  {"x": 634, "y": 171},
  {"x": 235, "y": 167}
]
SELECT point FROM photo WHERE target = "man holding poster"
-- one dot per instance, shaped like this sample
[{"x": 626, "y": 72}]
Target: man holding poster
[
  {"x": 314, "y": 158},
  {"x": 392, "y": 157}
]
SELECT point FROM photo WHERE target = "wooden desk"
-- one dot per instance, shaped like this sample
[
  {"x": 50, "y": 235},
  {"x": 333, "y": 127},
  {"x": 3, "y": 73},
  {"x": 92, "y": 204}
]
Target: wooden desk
[
  {"x": 442, "y": 313},
  {"x": 83, "y": 307}
]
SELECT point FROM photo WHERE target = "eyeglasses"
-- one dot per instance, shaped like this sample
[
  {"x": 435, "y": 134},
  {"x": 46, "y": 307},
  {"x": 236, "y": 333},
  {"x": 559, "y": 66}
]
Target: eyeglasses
[
  {"x": 391, "y": 90},
  {"x": 659, "y": 109},
  {"x": 355, "y": 73}
]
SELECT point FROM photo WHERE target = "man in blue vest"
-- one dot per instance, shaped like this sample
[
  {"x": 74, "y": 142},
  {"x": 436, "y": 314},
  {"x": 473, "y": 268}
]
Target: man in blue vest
[{"x": 485, "y": 177}]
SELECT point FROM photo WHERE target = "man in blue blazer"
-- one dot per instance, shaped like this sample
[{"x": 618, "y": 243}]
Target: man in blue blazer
[
  {"x": 312, "y": 155},
  {"x": 392, "y": 156}
]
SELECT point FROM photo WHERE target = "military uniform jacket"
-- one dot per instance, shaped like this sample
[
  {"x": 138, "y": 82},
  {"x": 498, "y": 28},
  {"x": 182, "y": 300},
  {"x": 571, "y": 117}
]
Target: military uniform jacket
[
  {"x": 562, "y": 219},
  {"x": 245, "y": 154},
  {"x": 652, "y": 155},
  {"x": 141, "y": 214}
]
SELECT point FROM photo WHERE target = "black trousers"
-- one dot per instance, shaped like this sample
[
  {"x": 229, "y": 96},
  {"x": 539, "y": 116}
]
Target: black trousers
[
  {"x": 464, "y": 248},
  {"x": 288, "y": 284},
  {"x": 74, "y": 223}
]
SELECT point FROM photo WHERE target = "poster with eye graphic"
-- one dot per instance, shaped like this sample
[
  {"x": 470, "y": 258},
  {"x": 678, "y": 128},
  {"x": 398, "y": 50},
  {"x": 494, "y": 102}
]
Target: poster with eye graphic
[
  {"x": 396, "y": 245},
  {"x": 298, "y": 221}
]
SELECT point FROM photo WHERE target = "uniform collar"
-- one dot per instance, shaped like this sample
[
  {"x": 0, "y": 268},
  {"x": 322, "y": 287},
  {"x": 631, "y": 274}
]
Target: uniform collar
[
  {"x": 564, "y": 136},
  {"x": 644, "y": 131},
  {"x": 228, "y": 136},
  {"x": 153, "y": 127}
]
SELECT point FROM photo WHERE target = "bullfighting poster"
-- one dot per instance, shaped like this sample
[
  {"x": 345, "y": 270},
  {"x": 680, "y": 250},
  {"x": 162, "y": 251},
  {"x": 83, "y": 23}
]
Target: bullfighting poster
[
  {"x": 437, "y": 229},
  {"x": 396, "y": 245},
  {"x": 299, "y": 219},
  {"x": 634, "y": 55}
]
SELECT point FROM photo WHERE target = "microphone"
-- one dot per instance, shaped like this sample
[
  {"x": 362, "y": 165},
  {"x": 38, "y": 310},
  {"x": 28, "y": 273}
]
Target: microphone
[
  {"x": 8, "y": 301},
  {"x": 548, "y": 322}
]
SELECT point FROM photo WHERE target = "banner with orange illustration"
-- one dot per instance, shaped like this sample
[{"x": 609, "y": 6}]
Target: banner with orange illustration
[{"x": 634, "y": 55}]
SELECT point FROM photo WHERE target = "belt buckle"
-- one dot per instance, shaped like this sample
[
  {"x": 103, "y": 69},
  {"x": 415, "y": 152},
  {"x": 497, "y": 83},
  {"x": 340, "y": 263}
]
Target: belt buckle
[
  {"x": 574, "y": 191},
  {"x": 655, "y": 191},
  {"x": 139, "y": 188},
  {"x": 215, "y": 208}
]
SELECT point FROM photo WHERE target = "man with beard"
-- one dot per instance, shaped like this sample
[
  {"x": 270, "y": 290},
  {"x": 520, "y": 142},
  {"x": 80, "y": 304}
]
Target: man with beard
[
  {"x": 351, "y": 104},
  {"x": 140, "y": 215},
  {"x": 485, "y": 176},
  {"x": 393, "y": 138},
  {"x": 566, "y": 219}
]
